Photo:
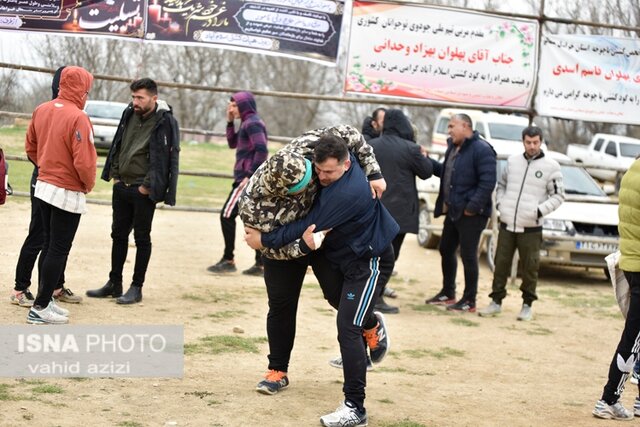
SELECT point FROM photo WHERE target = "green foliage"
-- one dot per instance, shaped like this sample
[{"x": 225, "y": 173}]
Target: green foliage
[
  {"x": 48, "y": 389},
  {"x": 464, "y": 322}
]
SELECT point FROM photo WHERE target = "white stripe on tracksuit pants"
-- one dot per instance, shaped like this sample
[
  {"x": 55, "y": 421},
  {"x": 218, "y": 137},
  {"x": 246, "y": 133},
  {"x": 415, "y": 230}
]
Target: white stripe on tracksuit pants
[{"x": 364, "y": 279}]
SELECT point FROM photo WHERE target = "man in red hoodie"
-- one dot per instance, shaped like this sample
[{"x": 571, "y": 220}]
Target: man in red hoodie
[{"x": 60, "y": 143}]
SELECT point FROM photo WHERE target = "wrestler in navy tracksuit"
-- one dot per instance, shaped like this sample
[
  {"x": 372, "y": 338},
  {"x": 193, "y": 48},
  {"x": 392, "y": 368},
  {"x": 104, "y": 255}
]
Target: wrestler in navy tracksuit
[{"x": 359, "y": 244}]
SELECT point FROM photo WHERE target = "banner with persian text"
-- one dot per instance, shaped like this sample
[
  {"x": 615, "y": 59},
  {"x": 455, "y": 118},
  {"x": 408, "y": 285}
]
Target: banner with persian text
[
  {"x": 441, "y": 54},
  {"x": 593, "y": 78},
  {"x": 308, "y": 29},
  {"x": 121, "y": 18}
]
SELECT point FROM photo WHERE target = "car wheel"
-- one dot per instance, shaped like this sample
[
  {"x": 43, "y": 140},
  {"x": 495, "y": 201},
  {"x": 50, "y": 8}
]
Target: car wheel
[{"x": 426, "y": 238}]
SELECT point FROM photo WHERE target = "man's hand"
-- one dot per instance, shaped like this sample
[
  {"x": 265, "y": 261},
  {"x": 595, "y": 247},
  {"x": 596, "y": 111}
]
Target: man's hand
[
  {"x": 377, "y": 187},
  {"x": 424, "y": 151},
  {"x": 229, "y": 113},
  {"x": 143, "y": 190},
  {"x": 314, "y": 240},
  {"x": 468, "y": 213},
  {"x": 253, "y": 238}
]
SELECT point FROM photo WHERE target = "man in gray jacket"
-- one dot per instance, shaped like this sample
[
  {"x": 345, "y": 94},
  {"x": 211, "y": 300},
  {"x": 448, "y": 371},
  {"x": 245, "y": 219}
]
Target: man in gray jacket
[{"x": 530, "y": 187}]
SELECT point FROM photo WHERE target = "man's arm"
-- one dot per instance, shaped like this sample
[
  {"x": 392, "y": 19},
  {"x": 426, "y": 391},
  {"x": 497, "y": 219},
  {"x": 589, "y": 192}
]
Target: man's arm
[
  {"x": 258, "y": 138},
  {"x": 31, "y": 142},
  {"x": 232, "y": 135},
  {"x": 174, "y": 161},
  {"x": 502, "y": 184},
  {"x": 328, "y": 212},
  {"x": 84, "y": 152},
  {"x": 555, "y": 191},
  {"x": 486, "y": 174},
  {"x": 420, "y": 164}
]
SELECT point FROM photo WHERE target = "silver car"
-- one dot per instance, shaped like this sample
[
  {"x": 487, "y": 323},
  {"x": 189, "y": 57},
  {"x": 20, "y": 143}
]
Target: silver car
[{"x": 105, "y": 116}]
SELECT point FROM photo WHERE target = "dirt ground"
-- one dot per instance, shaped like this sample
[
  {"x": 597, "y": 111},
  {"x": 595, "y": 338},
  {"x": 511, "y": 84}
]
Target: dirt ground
[{"x": 443, "y": 369}]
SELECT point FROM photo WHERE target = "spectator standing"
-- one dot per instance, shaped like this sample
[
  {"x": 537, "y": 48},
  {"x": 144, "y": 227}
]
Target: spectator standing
[
  {"x": 143, "y": 163},
  {"x": 60, "y": 142},
  {"x": 467, "y": 180},
  {"x": 401, "y": 161},
  {"x": 626, "y": 354},
  {"x": 530, "y": 187},
  {"x": 372, "y": 125},
  {"x": 250, "y": 143},
  {"x": 34, "y": 242}
]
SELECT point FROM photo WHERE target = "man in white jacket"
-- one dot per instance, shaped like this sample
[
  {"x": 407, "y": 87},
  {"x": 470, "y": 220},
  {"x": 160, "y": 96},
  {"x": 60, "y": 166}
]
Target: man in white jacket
[{"x": 529, "y": 188}]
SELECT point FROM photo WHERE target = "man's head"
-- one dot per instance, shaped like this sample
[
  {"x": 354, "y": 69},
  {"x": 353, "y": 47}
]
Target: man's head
[
  {"x": 460, "y": 128},
  {"x": 232, "y": 107},
  {"x": 144, "y": 94},
  {"x": 331, "y": 159},
  {"x": 378, "y": 119},
  {"x": 532, "y": 140}
]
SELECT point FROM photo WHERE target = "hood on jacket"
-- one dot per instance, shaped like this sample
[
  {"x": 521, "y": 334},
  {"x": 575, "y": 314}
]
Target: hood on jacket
[
  {"x": 367, "y": 130},
  {"x": 281, "y": 171},
  {"x": 162, "y": 106},
  {"x": 55, "y": 83},
  {"x": 396, "y": 123},
  {"x": 246, "y": 104},
  {"x": 75, "y": 83}
]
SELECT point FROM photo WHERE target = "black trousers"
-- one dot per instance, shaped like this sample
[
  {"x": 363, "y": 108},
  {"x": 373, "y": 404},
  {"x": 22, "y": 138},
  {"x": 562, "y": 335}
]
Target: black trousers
[
  {"x": 627, "y": 351},
  {"x": 397, "y": 244},
  {"x": 59, "y": 230},
  {"x": 283, "y": 280},
  {"x": 132, "y": 210},
  {"x": 32, "y": 245},
  {"x": 464, "y": 233},
  {"x": 228, "y": 223},
  {"x": 364, "y": 279}
]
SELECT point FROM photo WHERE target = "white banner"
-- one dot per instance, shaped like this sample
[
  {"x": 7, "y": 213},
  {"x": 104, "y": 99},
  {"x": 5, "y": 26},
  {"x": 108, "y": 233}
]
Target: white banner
[
  {"x": 593, "y": 78},
  {"x": 440, "y": 54}
]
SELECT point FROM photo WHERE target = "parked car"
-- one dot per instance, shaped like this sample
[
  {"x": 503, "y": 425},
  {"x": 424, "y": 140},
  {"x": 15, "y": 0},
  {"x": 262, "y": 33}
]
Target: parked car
[
  {"x": 581, "y": 232},
  {"x": 502, "y": 131},
  {"x": 105, "y": 116},
  {"x": 611, "y": 151}
]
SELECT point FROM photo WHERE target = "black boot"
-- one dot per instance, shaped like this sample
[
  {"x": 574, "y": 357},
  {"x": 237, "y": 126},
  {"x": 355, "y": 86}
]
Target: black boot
[
  {"x": 385, "y": 308},
  {"x": 109, "y": 289},
  {"x": 132, "y": 296}
]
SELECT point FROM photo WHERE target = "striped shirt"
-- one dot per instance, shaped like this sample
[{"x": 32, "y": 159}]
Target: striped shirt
[{"x": 67, "y": 200}]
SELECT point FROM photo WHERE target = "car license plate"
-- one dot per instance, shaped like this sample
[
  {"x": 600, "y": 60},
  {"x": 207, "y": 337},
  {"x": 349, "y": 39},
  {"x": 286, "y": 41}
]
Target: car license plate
[{"x": 597, "y": 246}]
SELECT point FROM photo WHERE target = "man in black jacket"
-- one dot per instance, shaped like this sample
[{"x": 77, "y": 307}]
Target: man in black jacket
[
  {"x": 143, "y": 162},
  {"x": 400, "y": 160}
]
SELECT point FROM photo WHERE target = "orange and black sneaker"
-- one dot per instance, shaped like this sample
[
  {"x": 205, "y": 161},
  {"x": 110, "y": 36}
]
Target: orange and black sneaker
[
  {"x": 273, "y": 382},
  {"x": 377, "y": 339}
]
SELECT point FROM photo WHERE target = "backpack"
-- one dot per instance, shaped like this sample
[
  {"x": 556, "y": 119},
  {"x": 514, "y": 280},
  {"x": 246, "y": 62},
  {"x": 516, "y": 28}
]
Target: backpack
[{"x": 5, "y": 188}]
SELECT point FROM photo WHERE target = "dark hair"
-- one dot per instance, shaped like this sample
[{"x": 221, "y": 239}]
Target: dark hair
[
  {"x": 330, "y": 145},
  {"x": 465, "y": 118},
  {"x": 532, "y": 131},
  {"x": 55, "y": 83},
  {"x": 145, "y": 83},
  {"x": 374, "y": 115}
]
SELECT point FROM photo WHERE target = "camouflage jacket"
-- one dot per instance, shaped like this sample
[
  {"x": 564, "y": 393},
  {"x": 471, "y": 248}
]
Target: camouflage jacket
[{"x": 265, "y": 204}]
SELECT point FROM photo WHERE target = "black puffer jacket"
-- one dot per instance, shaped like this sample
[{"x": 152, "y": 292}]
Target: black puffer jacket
[{"x": 401, "y": 161}]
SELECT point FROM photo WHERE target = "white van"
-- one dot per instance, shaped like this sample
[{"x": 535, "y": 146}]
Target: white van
[{"x": 502, "y": 131}]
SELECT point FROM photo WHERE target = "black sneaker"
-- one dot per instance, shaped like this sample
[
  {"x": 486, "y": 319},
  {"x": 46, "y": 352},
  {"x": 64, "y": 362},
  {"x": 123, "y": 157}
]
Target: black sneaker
[
  {"x": 255, "y": 270},
  {"x": 377, "y": 339},
  {"x": 223, "y": 266},
  {"x": 273, "y": 382},
  {"x": 463, "y": 305},
  {"x": 385, "y": 308},
  {"x": 441, "y": 299}
]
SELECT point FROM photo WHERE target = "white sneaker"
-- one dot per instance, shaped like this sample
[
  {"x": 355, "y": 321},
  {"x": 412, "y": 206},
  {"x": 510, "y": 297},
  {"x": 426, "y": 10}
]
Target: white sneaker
[
  {"x": 526, "y": 313},
  {"x": 492, "y": 309},
  {"x": 57, "y": 309},
  {"x": 45, "y": 316},
  {"x": 337, "y": 363},
  {"x": 345, "y": 416},
  {"x": 612, "y": 412}
]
